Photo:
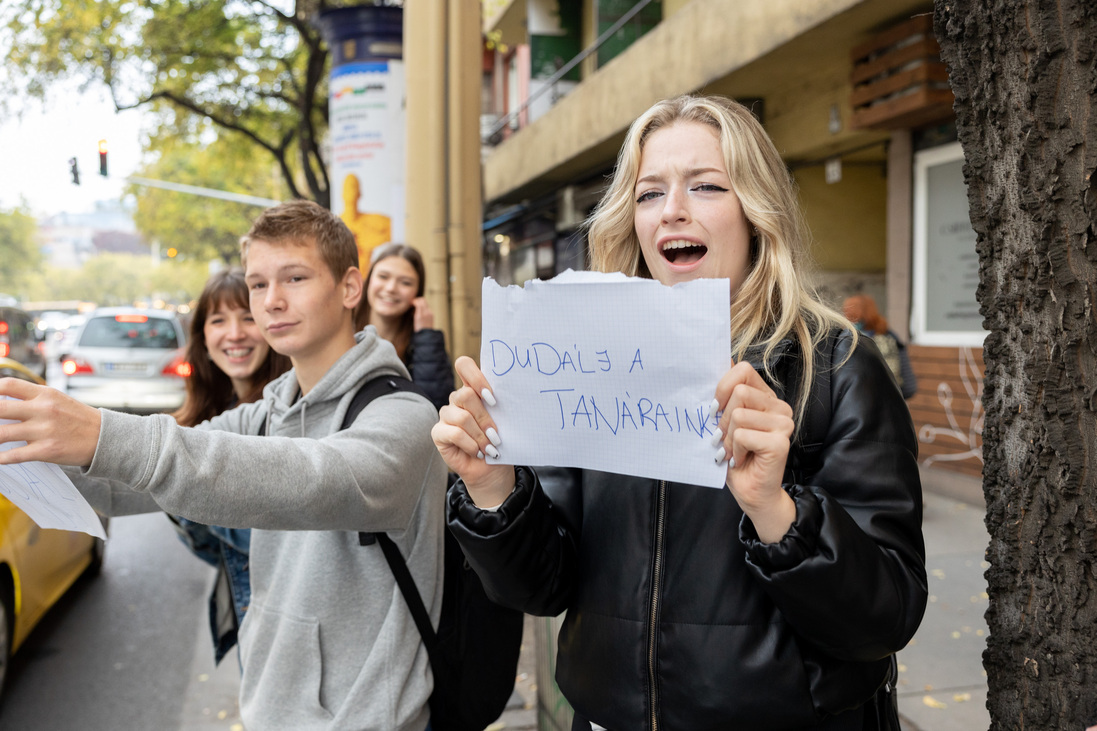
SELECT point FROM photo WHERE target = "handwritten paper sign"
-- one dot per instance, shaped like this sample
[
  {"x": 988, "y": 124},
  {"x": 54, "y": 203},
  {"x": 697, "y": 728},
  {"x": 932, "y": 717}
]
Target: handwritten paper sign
[
  {"x": 47, "y": 495},
  {"x": 608, "y": 372}
]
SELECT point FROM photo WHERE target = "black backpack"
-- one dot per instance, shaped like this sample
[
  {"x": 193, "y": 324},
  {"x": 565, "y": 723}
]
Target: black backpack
[{"x": 474, "y": 653}]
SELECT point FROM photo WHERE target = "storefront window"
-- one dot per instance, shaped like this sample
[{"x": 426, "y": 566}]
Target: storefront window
[{"x": 946, "y": 267}]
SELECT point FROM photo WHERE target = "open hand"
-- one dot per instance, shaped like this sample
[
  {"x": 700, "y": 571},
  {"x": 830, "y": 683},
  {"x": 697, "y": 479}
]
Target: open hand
[{"x": 56, "y": 428}]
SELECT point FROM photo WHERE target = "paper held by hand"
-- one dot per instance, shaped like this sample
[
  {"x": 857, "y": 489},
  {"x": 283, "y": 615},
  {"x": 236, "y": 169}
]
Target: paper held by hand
[
  {"x": 608, "y": 372},
  {"x": 47, "y": 495}
]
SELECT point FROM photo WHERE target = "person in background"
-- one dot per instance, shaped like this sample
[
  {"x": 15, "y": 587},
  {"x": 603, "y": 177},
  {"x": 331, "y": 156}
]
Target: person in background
[
  {"x": 395, "y": 305},
  {"x": 778, "y": 602},
  {"x": 230, "y": 364},
  {"x": 861, "y": 310}
]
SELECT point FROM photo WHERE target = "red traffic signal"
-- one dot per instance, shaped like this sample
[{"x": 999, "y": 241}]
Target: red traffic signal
[{"x": 103, "y": 158}]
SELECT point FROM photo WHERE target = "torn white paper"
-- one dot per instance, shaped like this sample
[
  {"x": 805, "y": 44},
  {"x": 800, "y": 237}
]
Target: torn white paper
[
  {"x": 607, "y": 372},
  {"x": 47, "y": 495}
]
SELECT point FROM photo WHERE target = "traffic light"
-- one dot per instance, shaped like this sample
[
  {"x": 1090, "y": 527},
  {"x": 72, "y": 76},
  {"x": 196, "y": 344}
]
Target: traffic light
[
  {"x": 103, "y": 158},
  {"x": 74, "y": 170}
]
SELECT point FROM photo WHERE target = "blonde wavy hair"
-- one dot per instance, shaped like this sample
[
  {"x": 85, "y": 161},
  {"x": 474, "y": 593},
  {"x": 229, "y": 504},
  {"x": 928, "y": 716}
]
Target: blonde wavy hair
[{"x": 775, "y": 300}]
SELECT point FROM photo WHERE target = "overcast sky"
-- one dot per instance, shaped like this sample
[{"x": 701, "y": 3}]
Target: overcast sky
[{"x": 37, "y": 147}]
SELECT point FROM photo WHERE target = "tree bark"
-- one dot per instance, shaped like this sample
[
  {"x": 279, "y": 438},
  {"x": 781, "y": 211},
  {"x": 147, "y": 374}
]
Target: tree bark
[{"x": 1025, "y": 78}]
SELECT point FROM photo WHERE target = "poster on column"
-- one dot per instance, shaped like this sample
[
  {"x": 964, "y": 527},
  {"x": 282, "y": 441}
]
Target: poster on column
[
  {"x": 608, "y": 372},
  {"x": 367, "y": 140}
]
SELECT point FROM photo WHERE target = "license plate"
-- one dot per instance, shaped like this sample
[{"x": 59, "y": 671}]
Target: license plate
[{"x": 125, "y": 367}]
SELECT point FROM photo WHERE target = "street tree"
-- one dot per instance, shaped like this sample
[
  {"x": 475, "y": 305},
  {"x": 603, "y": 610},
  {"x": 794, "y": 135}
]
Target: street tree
[
  {"x": 257, "y": 68},
  {"x": 200, "y": 227},
  {"x": 1024, "y": 73},
  {"x": 118, "y": 279},
  {"x": 19, "y": 254},
  {"x": 177, "y": 282}
]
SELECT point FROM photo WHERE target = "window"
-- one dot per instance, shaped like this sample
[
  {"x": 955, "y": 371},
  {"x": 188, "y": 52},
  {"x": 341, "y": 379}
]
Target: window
[
  {"x": 610, "y": 11},
  {"x": 944, "y": 309},
  {"x": 108, "y": 332}
]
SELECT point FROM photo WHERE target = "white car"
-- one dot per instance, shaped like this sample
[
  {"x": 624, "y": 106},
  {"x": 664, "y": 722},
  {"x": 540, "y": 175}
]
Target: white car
[{"x": 128, "y": 359}]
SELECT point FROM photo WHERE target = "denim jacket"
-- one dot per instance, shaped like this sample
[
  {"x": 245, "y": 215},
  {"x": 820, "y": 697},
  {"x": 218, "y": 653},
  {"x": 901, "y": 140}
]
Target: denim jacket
[{"x": 226, "y": 549}]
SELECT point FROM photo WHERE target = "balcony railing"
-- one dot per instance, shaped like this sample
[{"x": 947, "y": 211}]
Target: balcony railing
[{"x": 493, "y": 134}]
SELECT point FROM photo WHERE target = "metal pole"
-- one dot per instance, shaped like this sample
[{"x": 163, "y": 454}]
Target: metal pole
[
  {"x": 205, "y": 192},
  {"x": 424, "y": 59},
  {"x": 465, "y": 206}
]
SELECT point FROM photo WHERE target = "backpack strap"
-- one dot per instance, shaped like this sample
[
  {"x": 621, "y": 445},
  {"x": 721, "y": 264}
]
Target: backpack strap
[
  {"x": 371, "y": 389},
  {"x": 407, "y": 587},
  {"x": 383, "y": 386}
]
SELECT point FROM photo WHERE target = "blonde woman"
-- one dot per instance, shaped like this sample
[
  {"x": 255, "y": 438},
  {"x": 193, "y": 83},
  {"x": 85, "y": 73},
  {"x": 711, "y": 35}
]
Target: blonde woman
[{"x": 779, "y": 602}]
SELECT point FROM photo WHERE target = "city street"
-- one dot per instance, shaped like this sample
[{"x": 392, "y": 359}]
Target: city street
[
  {"x": 913, "y": 172},
  {"x": 129, "y": 649}
]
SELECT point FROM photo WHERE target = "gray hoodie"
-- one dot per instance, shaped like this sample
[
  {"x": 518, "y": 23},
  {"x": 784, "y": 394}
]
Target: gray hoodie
[{"x": 328, "y": 642}]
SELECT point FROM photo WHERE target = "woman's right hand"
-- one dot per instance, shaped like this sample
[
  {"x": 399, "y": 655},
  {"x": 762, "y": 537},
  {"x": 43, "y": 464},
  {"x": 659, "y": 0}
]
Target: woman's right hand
[
  {"x": 465, "y": 432},
  {"x": 422, "y": 317}
]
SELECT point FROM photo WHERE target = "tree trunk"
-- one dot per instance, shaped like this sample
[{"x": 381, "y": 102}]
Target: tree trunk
[{"x": 1025, "y": 82}]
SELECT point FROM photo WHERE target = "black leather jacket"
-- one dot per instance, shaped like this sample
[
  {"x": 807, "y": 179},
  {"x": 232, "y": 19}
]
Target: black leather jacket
[
  {"x": 679, "y": 618},
  {"x": 429, "y": 365}
]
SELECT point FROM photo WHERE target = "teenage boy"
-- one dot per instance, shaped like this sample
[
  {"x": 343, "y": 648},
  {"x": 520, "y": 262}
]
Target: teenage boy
[{"x": 328, "y": 642}]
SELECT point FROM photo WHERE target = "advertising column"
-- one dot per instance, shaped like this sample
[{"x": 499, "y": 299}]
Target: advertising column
[{"x": 367, "y": 122}]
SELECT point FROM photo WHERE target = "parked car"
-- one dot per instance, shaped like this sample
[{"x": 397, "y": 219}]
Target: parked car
[
  {"x": 52, "y": 323},
  {"x": 37, "y": 566},
  {"x": 20, "y": 341},
  {"x": 128, "y": 359}
]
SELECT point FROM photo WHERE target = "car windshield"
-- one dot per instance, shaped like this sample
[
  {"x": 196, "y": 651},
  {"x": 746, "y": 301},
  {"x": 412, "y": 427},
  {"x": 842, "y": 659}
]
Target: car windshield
[{"x": 129, "y": 331}]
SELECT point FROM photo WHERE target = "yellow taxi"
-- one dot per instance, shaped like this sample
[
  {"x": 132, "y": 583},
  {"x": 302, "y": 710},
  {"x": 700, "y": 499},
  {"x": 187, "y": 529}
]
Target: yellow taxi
[{"x": 37, "y": 566}]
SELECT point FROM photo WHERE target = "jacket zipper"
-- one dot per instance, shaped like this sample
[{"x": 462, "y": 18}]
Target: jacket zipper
[{"x": 656, "y": 572}]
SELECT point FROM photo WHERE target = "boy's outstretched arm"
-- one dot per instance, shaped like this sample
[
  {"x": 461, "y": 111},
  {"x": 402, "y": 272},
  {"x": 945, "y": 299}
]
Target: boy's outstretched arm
[{"x": 56, "y": 428}]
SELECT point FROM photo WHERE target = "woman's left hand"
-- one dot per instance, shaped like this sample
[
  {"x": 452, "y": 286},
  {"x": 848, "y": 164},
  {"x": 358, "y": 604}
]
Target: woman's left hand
[
  {"x": 757, "y": 428},
  {"x": 423, "y": 319}
]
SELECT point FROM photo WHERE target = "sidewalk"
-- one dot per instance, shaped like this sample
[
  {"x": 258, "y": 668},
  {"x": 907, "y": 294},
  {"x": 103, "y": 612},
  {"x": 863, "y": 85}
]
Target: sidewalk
[{"x": 942, "y": 685}]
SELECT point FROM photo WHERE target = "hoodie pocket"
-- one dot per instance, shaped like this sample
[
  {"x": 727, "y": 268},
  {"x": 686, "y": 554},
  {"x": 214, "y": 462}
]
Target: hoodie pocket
[{"x": 283, "y": 671}]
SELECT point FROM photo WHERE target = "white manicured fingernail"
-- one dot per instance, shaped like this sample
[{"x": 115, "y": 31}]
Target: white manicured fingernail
[
  {"x": 713, "y": 408},
  {"x": 717, "y": 438},
  {"x": 489, "y": 399},
  {"x": 720, "y": 454},
  {"x": 479, "y": 455},
  {"x": 492, "y": 452},
  {"x": 731, "y": 463},
  {"x": 493, "y": 436}
]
